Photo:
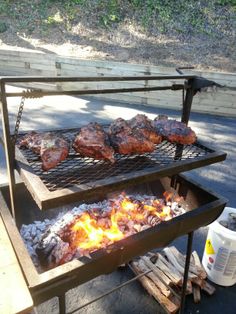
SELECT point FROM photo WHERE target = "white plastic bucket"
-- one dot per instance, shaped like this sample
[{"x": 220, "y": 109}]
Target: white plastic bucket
[{"x": 219, "y": 259}]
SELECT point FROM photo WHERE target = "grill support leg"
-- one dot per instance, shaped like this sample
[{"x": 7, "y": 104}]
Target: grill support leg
[
  {"x": 8, "y": 146},
  {"x": 186, "y": 269},
  {"x": 62, "y": 303}
]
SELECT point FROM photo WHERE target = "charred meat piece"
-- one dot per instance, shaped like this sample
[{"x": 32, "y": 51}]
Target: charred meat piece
[
  {"x": 51, "y": 148},
  {"x": 126, "y": 140},
  {"x": 32, "y": 141},
  {"x": 144, "y": 125},
  {"x": 174, "y": 131},
  {"x": 92, "y": 141}
]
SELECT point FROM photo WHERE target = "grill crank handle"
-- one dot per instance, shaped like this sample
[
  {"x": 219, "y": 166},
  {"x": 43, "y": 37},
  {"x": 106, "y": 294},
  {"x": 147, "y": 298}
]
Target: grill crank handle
[
  {"x": 183, "y": 68},
  {"x": 199, "y": 83}
]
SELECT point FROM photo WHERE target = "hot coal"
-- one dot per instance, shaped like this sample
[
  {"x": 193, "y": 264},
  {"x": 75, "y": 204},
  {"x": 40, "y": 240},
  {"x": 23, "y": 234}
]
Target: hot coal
[
  {"x": 52, "y": 243},
  {"x": 32, "y": 233}
]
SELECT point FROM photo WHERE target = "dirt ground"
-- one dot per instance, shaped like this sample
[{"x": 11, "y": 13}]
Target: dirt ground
[{"x": 130, "y": 47}]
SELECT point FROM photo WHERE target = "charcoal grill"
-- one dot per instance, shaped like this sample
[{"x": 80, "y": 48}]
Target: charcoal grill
[{"x": 94, "y": 179}]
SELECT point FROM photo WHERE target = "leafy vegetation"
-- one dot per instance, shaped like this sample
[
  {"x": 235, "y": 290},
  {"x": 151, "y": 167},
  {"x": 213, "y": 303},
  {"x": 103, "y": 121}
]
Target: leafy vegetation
[{"x": 158, "y": 16}]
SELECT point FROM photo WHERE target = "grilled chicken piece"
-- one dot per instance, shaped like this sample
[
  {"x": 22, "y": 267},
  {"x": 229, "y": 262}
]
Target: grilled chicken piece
[
  {"x": 51, "y": 148},
  {"x": 92, "y": 141},
  {"x": 144, "y": 125},
  {"x": 126, "y": 140},
  {"x": 174, "y": 131}
]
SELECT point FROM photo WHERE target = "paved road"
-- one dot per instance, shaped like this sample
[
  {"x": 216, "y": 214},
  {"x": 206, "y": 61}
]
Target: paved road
[{"x": 218, "y": 132}]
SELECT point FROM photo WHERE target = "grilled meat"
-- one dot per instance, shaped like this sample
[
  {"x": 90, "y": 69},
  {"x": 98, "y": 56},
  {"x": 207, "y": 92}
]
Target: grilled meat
[
  {"x": 144, "y": 125},
  {"x": 127, "y": 140},
  {"x": 51, "y": 148},
  {"x": 32, "y": 141},
  {"x": 174, "y": 131},
  {"x": 92, "y": 141}
]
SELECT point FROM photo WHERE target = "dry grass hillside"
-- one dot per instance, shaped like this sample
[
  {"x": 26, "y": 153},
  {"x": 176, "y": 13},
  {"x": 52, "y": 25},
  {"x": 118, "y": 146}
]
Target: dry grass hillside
[{"x": 167, "y": 32}]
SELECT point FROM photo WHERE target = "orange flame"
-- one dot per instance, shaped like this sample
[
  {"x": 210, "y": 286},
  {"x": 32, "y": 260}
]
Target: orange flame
[{"x": 91, "y": 234}]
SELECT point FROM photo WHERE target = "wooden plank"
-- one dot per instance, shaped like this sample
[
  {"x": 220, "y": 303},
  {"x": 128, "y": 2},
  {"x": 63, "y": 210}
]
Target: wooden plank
[
  {"x": 164, "y": 289},
  {"x": 22, "y": 71},
  {"x": 216, "y": 110},
  {"x": 158, "y": 103},
  {"x": 43, "y": 86},
  {"x": 208, "y": 288},
  {"x": 34, "y": 55},
  {"x": 38, "y": 65},
  {"x": 106, "y": 71},
  {"x": 14, "y": 296},
  {"x": 213, "y": 98},
  {"x": 26, "y": 61},
  {"x": 116, "y": 84},
  {"x": 220, "y": 102},
  {"x": 29, "y": 55},
  {"x": 153, "y": 290}
]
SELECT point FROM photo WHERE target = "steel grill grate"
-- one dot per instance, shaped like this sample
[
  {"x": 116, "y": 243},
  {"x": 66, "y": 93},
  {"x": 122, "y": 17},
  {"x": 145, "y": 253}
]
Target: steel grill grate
[{"x": 76, "y": 170}]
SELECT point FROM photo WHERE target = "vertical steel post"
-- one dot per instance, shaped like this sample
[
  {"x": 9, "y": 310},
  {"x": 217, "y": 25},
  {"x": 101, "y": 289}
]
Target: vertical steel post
[
  {"x": 186, "y": 269},
  {"x": 62, "y": 303},
  {"x": 186, "y": 110},
  {"x": 187, "y": 104},
  {"x": 8, "y": 146}
]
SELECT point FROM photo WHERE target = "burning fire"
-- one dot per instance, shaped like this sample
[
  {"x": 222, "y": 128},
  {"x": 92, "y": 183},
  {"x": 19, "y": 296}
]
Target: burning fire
[{"x": 93, "y": 230}]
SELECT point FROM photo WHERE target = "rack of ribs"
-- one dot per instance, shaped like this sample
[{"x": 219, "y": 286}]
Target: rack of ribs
[
  {"x": 174, "y": 131},
  {"x": 92, "y": 141},
  {"x": 51, "y": 148}
]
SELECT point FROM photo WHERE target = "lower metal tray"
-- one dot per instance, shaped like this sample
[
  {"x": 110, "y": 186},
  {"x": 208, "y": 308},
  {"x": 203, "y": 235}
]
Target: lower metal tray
[{"x": 204, "y": 207}]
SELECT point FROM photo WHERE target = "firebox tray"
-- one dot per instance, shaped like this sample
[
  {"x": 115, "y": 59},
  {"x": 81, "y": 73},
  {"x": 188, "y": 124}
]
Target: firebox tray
[{"x": 78, "y": 178}]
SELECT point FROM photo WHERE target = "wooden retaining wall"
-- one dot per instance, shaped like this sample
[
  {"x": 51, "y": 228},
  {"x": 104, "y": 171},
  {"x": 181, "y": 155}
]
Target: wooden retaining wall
[{"x": 220, "y": 102}]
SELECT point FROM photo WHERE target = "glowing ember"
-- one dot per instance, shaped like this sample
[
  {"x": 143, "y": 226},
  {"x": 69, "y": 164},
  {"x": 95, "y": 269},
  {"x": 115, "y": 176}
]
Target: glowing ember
[
  {"x": 89, "y": 227},
  {"x": 127, "y": 215}
]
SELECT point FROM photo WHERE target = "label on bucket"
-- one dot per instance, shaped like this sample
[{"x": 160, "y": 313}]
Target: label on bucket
[
  {"x": 209, "y": 248},
  {"x": 231, "y": 264},
  {"x": 221, "y": 259}
]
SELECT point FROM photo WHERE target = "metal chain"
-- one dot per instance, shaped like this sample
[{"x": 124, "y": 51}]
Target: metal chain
[
  {"x": 29, "y": 93},
  {"x": 18, "y": 119}
]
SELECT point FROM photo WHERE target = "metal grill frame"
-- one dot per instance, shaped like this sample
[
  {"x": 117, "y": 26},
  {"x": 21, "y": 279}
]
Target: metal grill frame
[
  {"x": 63, "y": 278},
  {"x": 190, "y": 84}
]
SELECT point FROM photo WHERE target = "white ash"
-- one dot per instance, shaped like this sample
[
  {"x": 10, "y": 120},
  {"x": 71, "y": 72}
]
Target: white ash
[{"x": 32, "y": 234}]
